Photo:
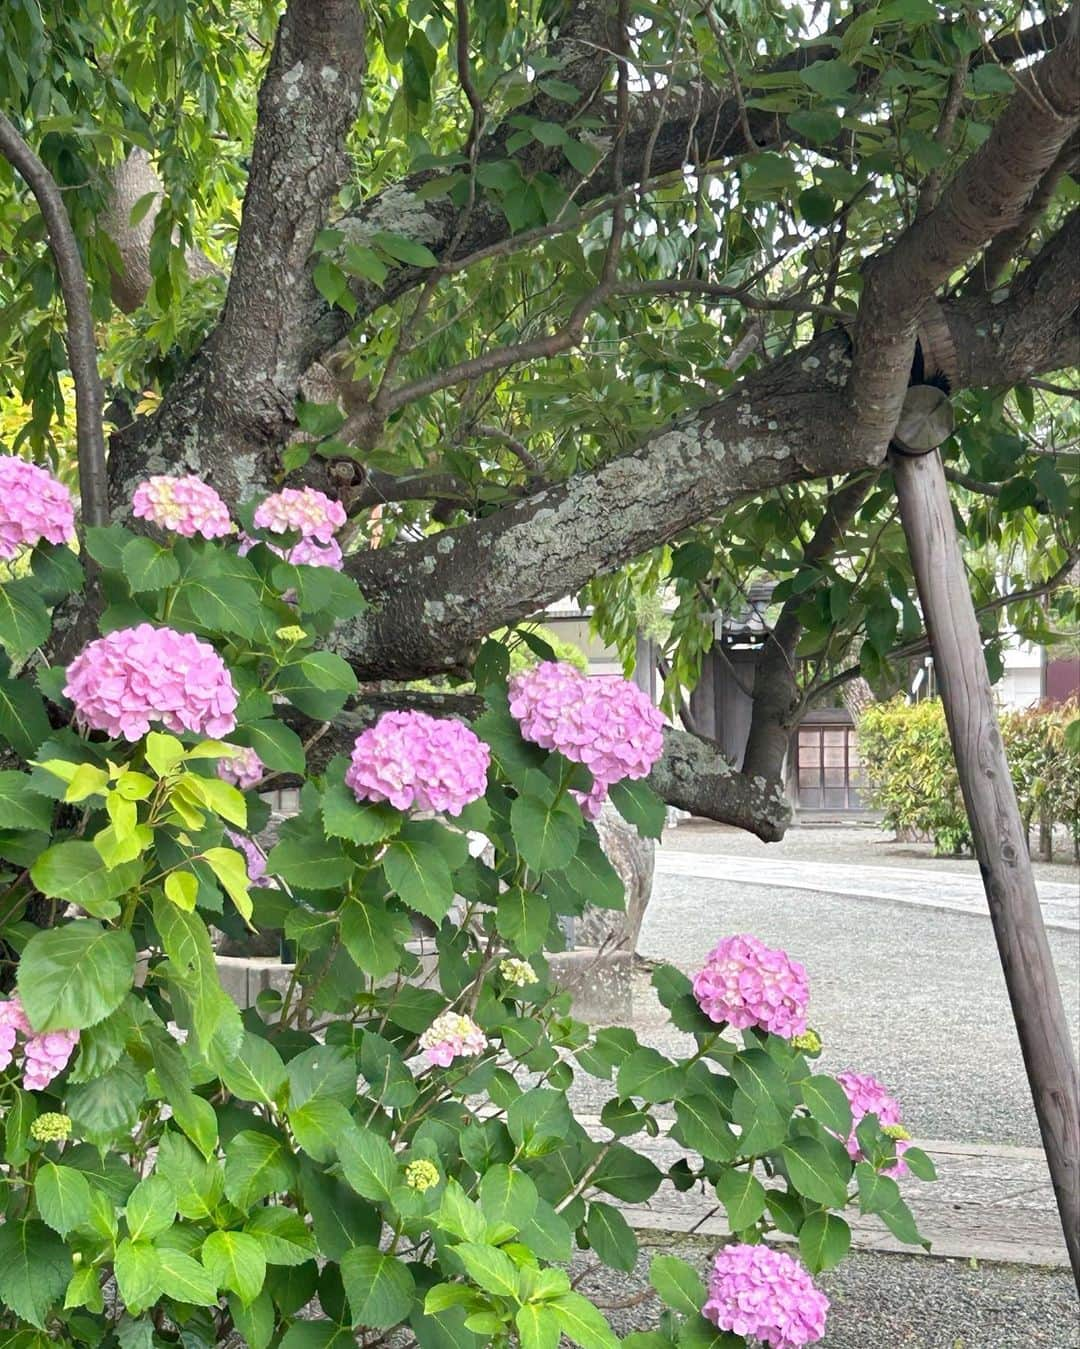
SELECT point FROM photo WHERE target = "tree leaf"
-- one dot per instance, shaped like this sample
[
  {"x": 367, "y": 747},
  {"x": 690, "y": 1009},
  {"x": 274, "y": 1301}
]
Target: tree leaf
[
  {"x": 20, "y": 806},
  {"x": 813, "y": 1172},
  {"x": 256, "y": 1166},
  {"x": 639, "y": 805},
  {"x": 24, "y": 723},
  {"x": 401, "y": 249},
  {"x": 256, "y": 1073},
  {"x": 827, "y": 1101},
  {"x": 24, "y": 620},
  {"x": 368, "y": 1163},
  {"x": 611, "y": 1236},
  {"x": 546, "y": 833},
  {"x": 489, "y": 1268},
  {"x": 582, "y": 1322},
  {"x": 150, "y": 1208},
  {"x": 75, "y": 871},
  {"x": 523, "y": 918},
  {"x": 75, "y": 975},
  {"x": 183, "y": 1278},
  {"x": 420, "y": 875},
  {"x": 235, "y": 1261},
  {"x": 649, "y": 1075},
  {"x": 679, "y": 1284},
  {"x": 824, "y": 1240},
  {"x": 148, "y": 566},
  {"x": 63, "y": 1196},
  {"x": 379, "y": 1287},
  {"x": 743, "y": 1197}
]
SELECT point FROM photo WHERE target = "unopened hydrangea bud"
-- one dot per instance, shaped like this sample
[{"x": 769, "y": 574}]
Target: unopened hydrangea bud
[
  {"x": 51, "y": 1128},
  {"x": 123, "y": 682},
  {"x": 186, "y": 506},
  {"x": 765, "y": 1295},
  {"x": 809, "y": 1042},
  {"x": 517, "y": 972},
  {"x": 419, "y": 762},
  {"x": 452, "y": 1036},
  {"x": 291, "y": 633},
  {"x": 896, "y": 1132},
  {"x": 243, "y": 768},
  {"x": 747, "y": 983},
  {"x": 33, "y": 506},
  {"x": 422, "y": 1175}
]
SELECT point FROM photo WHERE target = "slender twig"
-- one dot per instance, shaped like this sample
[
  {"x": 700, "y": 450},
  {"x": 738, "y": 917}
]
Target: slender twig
[
  {"x": 920, "y": 645},
  {"x": 1062, "y": 390},
  {"x": 954, "y": 98},
  {"x": 515, "y": 446},
  {"x": 82, "y": 350}
]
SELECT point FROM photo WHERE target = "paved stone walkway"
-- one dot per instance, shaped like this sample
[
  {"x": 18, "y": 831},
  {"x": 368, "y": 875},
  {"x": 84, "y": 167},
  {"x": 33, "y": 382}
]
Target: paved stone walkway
[{"x": 948, "y": 890}]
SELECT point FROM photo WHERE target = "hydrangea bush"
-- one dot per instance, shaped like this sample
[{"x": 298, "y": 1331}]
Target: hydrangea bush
[{"x": 387, "y": 1141}]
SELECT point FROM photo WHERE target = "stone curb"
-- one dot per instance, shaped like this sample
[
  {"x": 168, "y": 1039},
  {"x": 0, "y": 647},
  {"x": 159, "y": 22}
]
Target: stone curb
[{"x": 991, "y": 1203}]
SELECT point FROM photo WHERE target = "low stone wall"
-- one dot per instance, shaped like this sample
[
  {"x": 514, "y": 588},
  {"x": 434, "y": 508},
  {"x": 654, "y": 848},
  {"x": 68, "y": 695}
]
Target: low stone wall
[{"x": 596, "y": 969}]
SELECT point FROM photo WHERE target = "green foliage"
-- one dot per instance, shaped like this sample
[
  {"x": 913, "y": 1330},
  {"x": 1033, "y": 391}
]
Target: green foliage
[
  {"x": 911, "y": 773},
  {"x": 304, "y": 1147}
]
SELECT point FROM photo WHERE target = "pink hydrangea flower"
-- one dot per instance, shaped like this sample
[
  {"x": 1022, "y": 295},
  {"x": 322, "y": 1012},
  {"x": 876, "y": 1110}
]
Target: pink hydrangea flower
[
  {"x": 765, "y": 1295},
  {"x": 186, "y": 506},
  {"x": 592, "y": 801},
  {"x": 33, "y": 506},
  {"x": 605, "y": 723},
  {"x": 123, "y": 682},
  {"x": 868, "y": 1096},
  {"x": 303, "y": 553},
  {"x": 44, "y": 1056},
  {"x": 243, "y": 769},
  {"x": 452, "y": 1036},
  {"x": 416, "y": 761},
  {"x": 747, "y": 983},
  {"x": 310, "y": 513},
  {"x": 256, "y": 862}
]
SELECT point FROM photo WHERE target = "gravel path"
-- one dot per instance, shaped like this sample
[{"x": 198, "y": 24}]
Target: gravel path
[
  {"x": 896, "y": 1302},
  {"x": 914, "y": 995}
]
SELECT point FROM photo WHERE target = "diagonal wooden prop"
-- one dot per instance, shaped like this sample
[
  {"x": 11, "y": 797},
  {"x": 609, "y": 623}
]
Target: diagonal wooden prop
[{"x": 999, "y": 838}]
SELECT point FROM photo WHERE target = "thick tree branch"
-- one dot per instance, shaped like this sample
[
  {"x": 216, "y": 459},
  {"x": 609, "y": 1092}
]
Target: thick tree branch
[
  {"x": 235, "y": 403},
  {"x": 692, "y": 774},
  {"x": 308, "y": 102},
  {"x": 432, "y": 600},
  {"x": 82, "y": 349},
  {"x": 131, "y": 180},
  {"x": 1007, "y": 245},
  {"x": 986, "y": 197}
]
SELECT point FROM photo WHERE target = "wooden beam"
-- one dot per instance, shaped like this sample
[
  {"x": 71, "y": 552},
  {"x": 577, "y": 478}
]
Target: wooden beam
[{"x": 1000, "y": 842}]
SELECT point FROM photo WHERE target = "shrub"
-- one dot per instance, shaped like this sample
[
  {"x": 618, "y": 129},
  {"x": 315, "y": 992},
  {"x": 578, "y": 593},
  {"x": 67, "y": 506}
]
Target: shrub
[
  {"x": 911, "y": 773},
  {"x": 377, "y": 1145}
]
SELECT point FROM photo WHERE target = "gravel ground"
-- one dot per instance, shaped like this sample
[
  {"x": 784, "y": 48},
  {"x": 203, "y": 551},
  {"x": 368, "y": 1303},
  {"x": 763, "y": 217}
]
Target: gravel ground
[
  {"x": 896, "y": 1302},
  {"x": 915, "y": 996}
]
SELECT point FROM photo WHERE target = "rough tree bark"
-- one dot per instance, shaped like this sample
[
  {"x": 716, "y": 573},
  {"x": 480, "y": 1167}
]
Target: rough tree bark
[{"x": 800, "y": 417}]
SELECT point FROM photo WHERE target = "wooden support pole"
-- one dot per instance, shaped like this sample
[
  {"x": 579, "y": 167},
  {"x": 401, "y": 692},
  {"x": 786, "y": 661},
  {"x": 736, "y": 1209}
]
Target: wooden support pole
[{"x": 996, "y": 828}]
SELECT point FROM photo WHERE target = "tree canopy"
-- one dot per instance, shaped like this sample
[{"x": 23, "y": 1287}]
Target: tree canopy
[{"x": 612, "y": 298}]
